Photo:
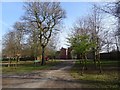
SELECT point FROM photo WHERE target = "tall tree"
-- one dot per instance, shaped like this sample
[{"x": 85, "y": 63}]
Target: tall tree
[
  {"x": 19, "y": 28},
  {"x": 113, "y": 9},
  {"x": 92, "y": 26},
  {"x": 81, "y": 44},
  {"x": 9, "y": 43},
  {"x": 9, "y": 46},
  {"x": 80, "y": 40},
  {"x": 34, "y": 42},
  {"x": 13, "y": 40},
  {"x": 95, "y": 27},
  {"x": 118, "y": 29},
  {"x": 44, "y": 16},
  {"x": 51, "y": 47}
]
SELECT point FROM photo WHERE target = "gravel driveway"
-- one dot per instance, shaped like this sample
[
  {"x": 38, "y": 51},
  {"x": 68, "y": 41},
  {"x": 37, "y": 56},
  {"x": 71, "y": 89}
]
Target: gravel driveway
[{"x": 56, "y": 77}]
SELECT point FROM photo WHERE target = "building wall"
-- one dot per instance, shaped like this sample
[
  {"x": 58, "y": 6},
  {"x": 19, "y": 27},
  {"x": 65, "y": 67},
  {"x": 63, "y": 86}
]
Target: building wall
[
  {"x": 63, "y": 53},
  {"x": 66, "y": 54},
  {"x": 69, "y": 56}
]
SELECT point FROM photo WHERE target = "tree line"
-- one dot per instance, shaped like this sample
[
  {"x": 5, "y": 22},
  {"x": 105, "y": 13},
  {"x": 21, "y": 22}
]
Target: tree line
[
  {"x": 35, "y": 34},
  {"x": 91, "y": 36},
  {"x": 31, "y": 35}
]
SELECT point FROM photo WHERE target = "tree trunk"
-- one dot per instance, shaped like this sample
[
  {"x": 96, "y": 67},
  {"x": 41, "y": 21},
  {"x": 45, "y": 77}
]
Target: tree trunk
[
  {"x": 78, "y": 56},
  {"x": 83, "y": 65},
  {"x": 43, "y": 57},
  {"x": 117, "y": 52},
  {"x": 117, "y": 45},
  {"x": 85, "y": 62},
  {"x": 99, "y": 63},
  {"x": 9, "y": 62},
  {"x": 94, "y": 57}
]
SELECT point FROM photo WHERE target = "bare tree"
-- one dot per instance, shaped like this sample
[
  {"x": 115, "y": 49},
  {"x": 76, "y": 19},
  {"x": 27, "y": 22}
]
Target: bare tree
[
  {"x": 118, "y": 30},
  {"x": 113, "y": 9},
  {"x": 19, "y": 28},
  {"x": 12, "y": 45},
  {"x": 34, "y": 42},
  {"x": 44, "y": 16},
  {"x": 92, "y": 25},
  {"x": 95, "y": 27},
  {"x": 9, "y": 49},
  {"x": 51, "y": 48}
]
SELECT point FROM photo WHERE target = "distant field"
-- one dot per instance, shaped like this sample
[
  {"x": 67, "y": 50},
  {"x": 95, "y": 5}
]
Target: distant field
[
  {"x": 109, "y": 78},
  {"x": 29, "y": 66}
]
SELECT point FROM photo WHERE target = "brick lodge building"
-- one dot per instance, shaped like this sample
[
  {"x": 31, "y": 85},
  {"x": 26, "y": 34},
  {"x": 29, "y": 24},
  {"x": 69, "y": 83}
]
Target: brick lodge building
[{"x": 66, "y": 54}]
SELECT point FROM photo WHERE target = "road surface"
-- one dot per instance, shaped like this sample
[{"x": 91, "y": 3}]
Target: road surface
[{"x": 56, "y": 77}]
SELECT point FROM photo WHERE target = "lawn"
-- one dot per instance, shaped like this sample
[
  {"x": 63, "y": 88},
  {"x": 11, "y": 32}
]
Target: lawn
[
  {"x": 27, "y": 67},
  {"x": 109, "y": 78}
]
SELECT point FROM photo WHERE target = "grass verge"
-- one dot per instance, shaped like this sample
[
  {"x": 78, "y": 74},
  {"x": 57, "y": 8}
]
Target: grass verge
[
  {"x": 27, "y": 67},
  {"x": 108, "y": 79}
]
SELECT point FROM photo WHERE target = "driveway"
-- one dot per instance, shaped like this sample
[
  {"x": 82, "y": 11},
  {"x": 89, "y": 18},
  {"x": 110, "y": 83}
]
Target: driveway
[{"x": 56, "y": 77}]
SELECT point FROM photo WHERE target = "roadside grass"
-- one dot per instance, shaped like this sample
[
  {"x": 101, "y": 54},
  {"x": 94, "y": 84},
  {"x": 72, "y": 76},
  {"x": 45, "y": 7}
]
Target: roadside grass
[
  {"x": 27, "y": 67},
  {"x": 108, "y": 79}
]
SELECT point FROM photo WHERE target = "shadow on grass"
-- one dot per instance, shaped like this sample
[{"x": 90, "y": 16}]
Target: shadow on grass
[
  {"x": 106, "y": 66},
  {"x": 108, "y": 78},
  {"x": 91, "y": 83}
]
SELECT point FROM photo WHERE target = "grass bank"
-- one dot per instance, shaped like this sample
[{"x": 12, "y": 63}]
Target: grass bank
[
  {"x": 27, "y": 67},
  {"x": 109, "y": 78}
]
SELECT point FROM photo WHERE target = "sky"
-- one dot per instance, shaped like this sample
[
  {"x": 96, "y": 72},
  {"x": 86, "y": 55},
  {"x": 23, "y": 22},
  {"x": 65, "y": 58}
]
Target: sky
[{"x": 12, "y": 12}]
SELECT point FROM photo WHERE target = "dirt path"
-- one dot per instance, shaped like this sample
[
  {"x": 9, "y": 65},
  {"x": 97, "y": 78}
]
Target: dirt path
[{"x": 57, "y": 77}]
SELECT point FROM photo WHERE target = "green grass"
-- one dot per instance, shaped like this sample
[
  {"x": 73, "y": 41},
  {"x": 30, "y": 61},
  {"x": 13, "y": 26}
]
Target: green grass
[
  {"x": 27, "y": 67},
  {"x": 91, "y": 78}
]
